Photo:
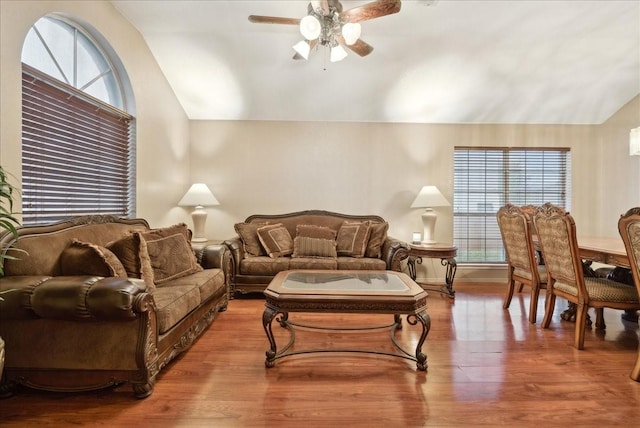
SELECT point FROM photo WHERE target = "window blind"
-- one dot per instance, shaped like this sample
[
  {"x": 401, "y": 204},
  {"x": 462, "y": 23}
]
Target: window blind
[
  {"x": 76, "y": 153},
  {"x": 487, "y": 178}
]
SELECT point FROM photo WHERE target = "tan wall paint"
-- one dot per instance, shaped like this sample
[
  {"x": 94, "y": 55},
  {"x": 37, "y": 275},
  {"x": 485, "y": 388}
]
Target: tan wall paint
[
  {"x": 277, "y": 167},
  {"x": 162, "y": 126}
]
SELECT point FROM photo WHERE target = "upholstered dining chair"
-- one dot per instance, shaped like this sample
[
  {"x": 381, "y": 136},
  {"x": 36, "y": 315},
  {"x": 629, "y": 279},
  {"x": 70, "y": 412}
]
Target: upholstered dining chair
[
  {"x": 523, "y": 268},
  {"x": 557, "y": 235},
  {"x": 629, "y": 228}
]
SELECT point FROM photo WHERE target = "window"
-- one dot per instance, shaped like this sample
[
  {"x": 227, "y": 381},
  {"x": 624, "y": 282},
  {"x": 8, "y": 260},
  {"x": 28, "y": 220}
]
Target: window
[
  {"x": 77, "y": 139},
  {"x": 487, "y": 178}
]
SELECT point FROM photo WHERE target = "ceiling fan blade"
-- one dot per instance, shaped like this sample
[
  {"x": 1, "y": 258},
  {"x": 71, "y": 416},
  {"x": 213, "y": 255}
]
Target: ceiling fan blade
[
  {"x": 360, "y": 47},
  {"x": 258, "y": 19},
  {"x": 371, "y": 10}
]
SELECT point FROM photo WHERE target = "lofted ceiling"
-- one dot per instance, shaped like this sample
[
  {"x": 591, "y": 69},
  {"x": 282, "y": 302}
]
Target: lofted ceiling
[{"x": 442, "y": 61}]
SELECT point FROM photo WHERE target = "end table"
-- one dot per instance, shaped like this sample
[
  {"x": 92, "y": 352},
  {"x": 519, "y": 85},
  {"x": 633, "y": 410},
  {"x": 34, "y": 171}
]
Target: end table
[{"x": 445, "y": 252}]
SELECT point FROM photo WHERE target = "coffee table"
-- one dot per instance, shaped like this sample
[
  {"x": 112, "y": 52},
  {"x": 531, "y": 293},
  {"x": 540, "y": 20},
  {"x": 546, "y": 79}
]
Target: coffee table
[{"x": 328, "y": 291}]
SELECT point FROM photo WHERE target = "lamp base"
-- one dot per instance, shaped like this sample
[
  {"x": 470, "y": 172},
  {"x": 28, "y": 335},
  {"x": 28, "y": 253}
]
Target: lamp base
[
  {"x": 199, "y": 216},
  {"x": 429, "y": 218}
]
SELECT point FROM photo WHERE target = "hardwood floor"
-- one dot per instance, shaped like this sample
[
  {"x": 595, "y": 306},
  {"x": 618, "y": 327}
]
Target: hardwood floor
[{"x": 487, "y": 367}]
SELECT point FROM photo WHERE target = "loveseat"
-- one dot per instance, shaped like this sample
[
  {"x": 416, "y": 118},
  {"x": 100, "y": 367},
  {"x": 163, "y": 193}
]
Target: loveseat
[
  {"x": 98, "y": 301},
  {"x": 312, "y": 239}
]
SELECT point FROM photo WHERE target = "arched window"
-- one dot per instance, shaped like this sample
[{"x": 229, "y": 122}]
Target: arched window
[{"x": 78, "y": 154}]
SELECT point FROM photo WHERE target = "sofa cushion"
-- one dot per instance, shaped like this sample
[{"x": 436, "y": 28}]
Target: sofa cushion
[
  {"x": 131, "y": 250},
  {"x": 84, "y": 258},
  {"x": 376, "y": 239},
  {"x": 173, "y": 302},
  {"x": 353, "y": 238},
  {"x": 304, "y": 246},
  {"x": 313, "y": 263},
  {"x": 276, "y": 240},
  {"x": 264, "y": 265},
  {"x": 313, "y": 231},
  {"x": 248, "y": 233},
  {"x": 211, "y": 283},
  {"x": 170, "y": 253},
  {"x": 360, "y": 263}
]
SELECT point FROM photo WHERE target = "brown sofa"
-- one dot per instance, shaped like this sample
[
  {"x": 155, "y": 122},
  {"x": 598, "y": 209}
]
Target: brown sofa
[
  {"x": 255, "y": 266},
  {"x": 74, "y": 320}
]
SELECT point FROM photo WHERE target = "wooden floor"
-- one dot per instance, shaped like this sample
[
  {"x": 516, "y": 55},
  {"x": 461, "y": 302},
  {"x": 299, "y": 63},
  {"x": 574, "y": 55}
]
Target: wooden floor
[{"x": 487, "y": 367}]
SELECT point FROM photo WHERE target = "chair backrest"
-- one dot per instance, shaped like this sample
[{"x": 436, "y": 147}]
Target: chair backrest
[
  {"x": 516, "y": 237},
  {"x": 629, "y": 228},
  {"x": 557, "y": 235}
]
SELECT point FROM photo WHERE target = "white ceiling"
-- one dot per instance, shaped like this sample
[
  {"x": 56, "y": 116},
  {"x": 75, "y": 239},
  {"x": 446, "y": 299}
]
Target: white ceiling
[{"x": 448, "y": 61}]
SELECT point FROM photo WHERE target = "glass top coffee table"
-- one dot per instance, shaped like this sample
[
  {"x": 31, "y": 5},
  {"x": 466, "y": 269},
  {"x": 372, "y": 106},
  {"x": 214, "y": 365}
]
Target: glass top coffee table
[{"x": 364, "y": 292}]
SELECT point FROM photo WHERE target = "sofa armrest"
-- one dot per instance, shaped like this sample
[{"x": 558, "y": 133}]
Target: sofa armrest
[
  {"x": 237, "y": 251},
  {"x": 89, "y": 298},
  {"x": 217, "y": 256},
  {"x": 394, "y": 251}
]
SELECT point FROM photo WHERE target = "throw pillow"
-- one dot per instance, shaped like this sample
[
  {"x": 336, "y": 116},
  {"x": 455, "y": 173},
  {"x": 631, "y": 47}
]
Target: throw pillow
[
  {"x": 248, "y": 233},
  {"x": 313, "y": 231},
  {"x": 376, "y": 239},
  {"x": 170, "y": 253},
  {"x": 304, "y": 246},
  {"x": 353, "y": 238},
  {"x": 132, "y": 252},
  {"x": 276, "y": 240},
  {"x": 84, "y": 258}
]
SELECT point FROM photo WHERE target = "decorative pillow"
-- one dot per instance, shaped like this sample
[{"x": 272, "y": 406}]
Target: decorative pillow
[
  {"x": 313, "y": 231},
  {"x": 84, "y": 258},
  {"x": 276, "y": 239},
  {"x": 248, "y": 233},
  {"x": 132, "y": 252},
  {"x": 376, "y": 239},
  {"x": 353, "y": 238},
  {"x": 304, "y": 246},
  {"x": 170, "y": 253}
]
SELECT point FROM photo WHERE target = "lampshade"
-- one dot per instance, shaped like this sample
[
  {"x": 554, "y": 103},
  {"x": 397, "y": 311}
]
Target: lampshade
[
  {"x": 198, "y": 195},
  {"x": 310, "y": 27},
  {"x": 428, "y": 197},
  {"x": 303, "y": 48},
  {"x": 351, "y": 32},
  {"x": 337, "y": 53},
  {"x": 634, "y": 142}
]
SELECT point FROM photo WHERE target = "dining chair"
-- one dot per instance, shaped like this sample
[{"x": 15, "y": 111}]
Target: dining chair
[
  {"x": 557, "y": 234},
  {"x": 522, "y": 264},
  {"x": 629, "y": 228}
]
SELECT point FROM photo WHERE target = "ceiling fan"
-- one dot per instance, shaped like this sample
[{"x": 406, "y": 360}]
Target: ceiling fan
[{"x": 326, "y": 24}]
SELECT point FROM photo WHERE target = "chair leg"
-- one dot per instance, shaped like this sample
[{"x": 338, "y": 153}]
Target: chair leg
[
  {"x": 550, "y": 304},
  {"x": 635, "y": 373},
  {"x": 533, "y": 305},
  {"x": 509, "y": 295},
  {"x": 581, "y": 324},
  {"x": 520, "y": 287},
  {"x": 600, "y": 325}
]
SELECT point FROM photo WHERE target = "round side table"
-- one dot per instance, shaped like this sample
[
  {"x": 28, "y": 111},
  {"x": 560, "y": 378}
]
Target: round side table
[{"x": 447, "y": 255}]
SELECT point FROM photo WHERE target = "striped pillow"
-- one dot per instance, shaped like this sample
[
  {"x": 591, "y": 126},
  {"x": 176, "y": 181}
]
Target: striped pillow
[{"x": 303, "y": 246}]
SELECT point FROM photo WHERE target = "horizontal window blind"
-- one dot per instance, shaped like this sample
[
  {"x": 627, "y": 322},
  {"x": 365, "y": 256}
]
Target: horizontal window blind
[
  {"x": 76, "y": 153},
  {"x": 487, "y": 178}
]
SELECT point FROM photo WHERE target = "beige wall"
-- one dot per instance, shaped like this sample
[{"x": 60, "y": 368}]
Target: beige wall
[
  {"x": 276, "y": 167},
  {"x": 162, "y": 126}
]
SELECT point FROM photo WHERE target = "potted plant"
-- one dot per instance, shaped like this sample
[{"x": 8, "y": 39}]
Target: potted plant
[{"x": 8, "y": 224}]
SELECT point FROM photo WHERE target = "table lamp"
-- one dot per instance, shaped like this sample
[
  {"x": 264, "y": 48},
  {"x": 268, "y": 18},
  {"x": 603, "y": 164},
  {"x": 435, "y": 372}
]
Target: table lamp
[
  {"x": 198, "y": 196},
  {"x": 428, "y": 198}
]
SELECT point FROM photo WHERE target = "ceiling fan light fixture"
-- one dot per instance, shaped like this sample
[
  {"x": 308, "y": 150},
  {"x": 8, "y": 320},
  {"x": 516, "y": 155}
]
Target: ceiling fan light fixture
[
  {"x": 303, "y": 48},
  {"x": 351, "y": 32},
  {"x": 337, "y": 53},
  {"x": 310, "y": 27}
]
